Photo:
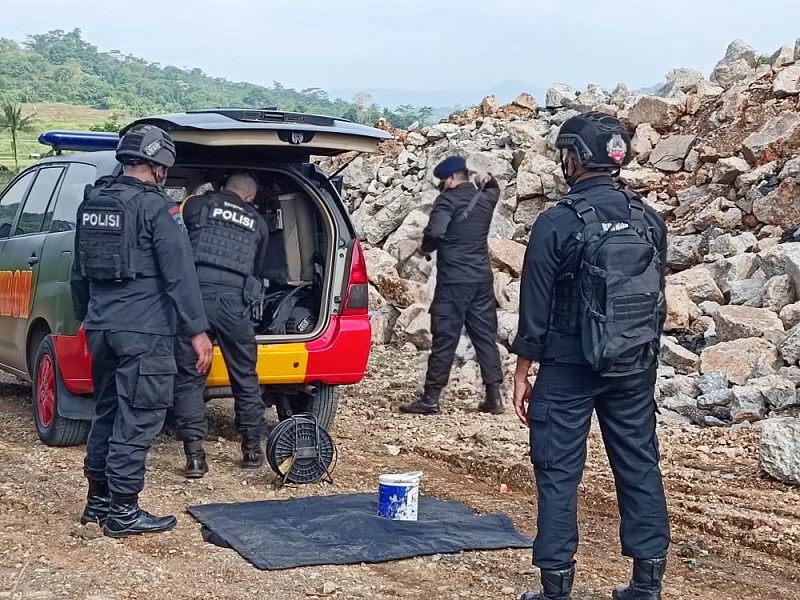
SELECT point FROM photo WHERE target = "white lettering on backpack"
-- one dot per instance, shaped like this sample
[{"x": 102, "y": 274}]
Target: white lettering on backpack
[
  {"x": 615, "y": 226},
  {"x": 233, "y": 217}
]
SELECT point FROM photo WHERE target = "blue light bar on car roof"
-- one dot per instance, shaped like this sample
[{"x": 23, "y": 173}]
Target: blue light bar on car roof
[{"x": 80, "y": 141}]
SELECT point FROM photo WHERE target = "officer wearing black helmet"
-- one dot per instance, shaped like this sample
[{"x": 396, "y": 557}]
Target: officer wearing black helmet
[
  {"x": 591, "y": 314},
  {"x": 229, "y": 240},
  {"x": 133, "y": 287},
  {"x": 457, "y": 230}
]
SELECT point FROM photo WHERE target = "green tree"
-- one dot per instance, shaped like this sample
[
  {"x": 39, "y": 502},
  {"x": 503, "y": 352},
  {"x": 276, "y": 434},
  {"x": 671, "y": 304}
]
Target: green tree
[{"x": 11, "y": 119}]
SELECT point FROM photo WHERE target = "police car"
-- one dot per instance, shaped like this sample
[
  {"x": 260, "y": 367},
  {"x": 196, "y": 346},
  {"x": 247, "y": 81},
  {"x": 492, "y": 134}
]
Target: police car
[{"x": 314, "y": 334}]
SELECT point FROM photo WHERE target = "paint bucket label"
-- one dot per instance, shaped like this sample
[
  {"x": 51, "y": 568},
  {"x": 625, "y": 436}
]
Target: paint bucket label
[{"x": 398, "y": 496}]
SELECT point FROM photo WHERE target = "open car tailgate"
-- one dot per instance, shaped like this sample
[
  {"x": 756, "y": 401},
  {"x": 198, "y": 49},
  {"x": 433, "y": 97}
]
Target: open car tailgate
[{"x": 294, "y": 136}]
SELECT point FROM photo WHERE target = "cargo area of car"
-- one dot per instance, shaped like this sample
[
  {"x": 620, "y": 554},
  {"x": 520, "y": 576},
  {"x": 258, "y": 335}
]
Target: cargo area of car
[{"x": 301, "y": 243}]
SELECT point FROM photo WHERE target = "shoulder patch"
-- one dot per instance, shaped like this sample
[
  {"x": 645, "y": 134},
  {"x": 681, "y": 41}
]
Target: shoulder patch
[{"x": 175, "y": 212}]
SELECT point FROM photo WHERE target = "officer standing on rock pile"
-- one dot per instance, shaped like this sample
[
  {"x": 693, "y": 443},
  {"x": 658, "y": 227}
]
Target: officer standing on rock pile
[
  {"x": 457, "y": 230},
  {"x": 591, "y": 314},
  {"x": 229, "y": 240},
  {"x": 133, "y": 284}
]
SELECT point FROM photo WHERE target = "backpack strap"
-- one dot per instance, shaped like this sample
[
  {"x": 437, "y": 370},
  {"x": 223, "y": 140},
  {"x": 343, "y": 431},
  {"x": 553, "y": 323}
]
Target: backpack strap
[
  {"x": 581, "y": 207},
  {"x": 471, "y": 204}
]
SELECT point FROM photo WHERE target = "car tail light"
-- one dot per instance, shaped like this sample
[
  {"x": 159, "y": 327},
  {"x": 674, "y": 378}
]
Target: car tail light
[{"x": 357, "y": 299}]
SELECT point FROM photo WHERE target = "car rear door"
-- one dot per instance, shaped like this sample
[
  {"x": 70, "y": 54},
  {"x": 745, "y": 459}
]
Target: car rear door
[{"x": 21, "y": 261}]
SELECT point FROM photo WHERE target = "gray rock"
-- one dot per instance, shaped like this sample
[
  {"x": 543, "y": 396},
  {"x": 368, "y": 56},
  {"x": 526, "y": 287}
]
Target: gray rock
[
  {"x": 790, "y": 346},
  {"x": 730, "y": 245},
  {"x": 528, "y": 210},
  {"x": 779, "y": 449},
  {"x": 638, "y": 178},
  {"x": 380, "y": 262},
  {"x": 727, "y": 170},
  {"x": 738, "y": 64},
  {"x": 778, "y": 293},
  {"x": 757, "y": 175},
  {"x": 749, "y": 292},
  {"x": 404, "y": 241},
  {"x": 737, "y": 268},
  {"x": 661, "y": 113},
  {"x": 536, "y": 176},
  {"x": 669, "y": 154},
  {"x": 790, "y": 315},
  {"x": 747, "y": 404},
  {"x": 644, "y": 139},
  {"x": 682, "y": 251},
  {"x": 792, "y": 264},
  {"x": 561, "y": 95},
  {"x": 778, "y": 392},
  {"x": 712, "y": 382},
  {"x": 665, "y": 371},
  {"x": 418, "y": 331},
  {"x": 386, "y": 220},
  {"x": 787, "y": 82},
  {"x": 790, "y": 169},
  {"x": 680, "y": 404},
  {"x": 711, "y": 421},
  {"x": 699, "y": 283},
  {"x": 716, "y": 398},
  {"x": 677, "y": 356},
  {"x": 791, "y": 373},
  {"x": 680, "y": 81},
  {"x": 620, "y": 95},
  {"x": 797, "y": 50},
  {"x": 680, "y": 385},
  {"x": 780, "y": 131}
]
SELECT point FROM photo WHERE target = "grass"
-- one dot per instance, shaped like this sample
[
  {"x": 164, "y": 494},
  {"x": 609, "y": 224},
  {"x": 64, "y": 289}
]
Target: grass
[{"x": 48, "y": 117}]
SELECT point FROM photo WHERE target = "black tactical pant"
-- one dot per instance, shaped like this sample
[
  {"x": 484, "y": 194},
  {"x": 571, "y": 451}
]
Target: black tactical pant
[
  {"x": 559, "y": 414},
  {"x": 232, "y": 329},
  {"x": 132, "y": 375},
  {"x": 454, "y": 307}
]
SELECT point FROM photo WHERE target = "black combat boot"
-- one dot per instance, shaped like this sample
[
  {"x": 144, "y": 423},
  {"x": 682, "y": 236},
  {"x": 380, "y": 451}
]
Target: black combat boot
[
  {"x": 556, "y": 585},
  {"x": 252, "y": 454},
  {"x": 126, "y": 518},
  {"x": 98, "y": 500},
  {"x": 646, "y": 581},
  {"x": 427, "y": 404},
  {"x": 196, "y": 465},
  {"x": 493, "y": 402}
]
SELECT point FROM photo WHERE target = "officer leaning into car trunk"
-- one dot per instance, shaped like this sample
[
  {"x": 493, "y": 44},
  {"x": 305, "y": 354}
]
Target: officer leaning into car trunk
[
  {"x": 457, "y": 230},
  {"x": 229, "y": 240},
  {"x": 133, "y": 285},
  {"x": 591, "y": 314}
]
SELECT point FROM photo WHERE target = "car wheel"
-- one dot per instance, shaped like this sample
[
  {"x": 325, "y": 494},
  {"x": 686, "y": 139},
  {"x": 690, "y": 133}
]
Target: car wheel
[
  {"x": 53, "y": 429},
  {"x": 323, "y": 405}
]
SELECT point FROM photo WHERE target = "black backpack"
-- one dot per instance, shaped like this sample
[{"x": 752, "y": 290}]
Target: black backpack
[{"x": 618, "y": 276}]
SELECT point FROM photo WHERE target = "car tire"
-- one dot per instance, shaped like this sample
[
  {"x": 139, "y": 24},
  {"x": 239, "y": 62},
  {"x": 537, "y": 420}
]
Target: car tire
[
  {"x": 53, "y": 429},
  {"x": 323, "y": 406}
]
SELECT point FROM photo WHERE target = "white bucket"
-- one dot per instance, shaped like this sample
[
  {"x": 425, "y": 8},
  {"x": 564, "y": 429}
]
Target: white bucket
[{"x": 398, "y": 495}]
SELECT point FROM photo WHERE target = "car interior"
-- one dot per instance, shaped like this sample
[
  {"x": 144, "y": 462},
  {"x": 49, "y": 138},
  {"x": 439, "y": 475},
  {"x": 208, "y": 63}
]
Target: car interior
[{"x": 300, "y": 244}]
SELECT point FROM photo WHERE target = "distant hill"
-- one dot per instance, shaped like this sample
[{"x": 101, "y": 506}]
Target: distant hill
[
  {"x": 62, "y": 67},
  {"x": 453, "y": 99}
]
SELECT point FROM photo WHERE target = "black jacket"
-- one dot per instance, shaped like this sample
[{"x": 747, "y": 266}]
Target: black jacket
[
  {"x": 157, "y": 305},
  {"x": 461, "y": 245},
  {"x": 551, "y": 253}
]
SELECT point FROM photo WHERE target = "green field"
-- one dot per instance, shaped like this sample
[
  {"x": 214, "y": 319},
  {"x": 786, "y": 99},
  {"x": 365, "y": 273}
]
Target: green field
[{"x": 48, "y": 117}]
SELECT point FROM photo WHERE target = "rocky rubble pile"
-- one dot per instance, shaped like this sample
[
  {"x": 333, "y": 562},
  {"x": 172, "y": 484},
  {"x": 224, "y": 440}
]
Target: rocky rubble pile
[{"x": 718, "y": 158}]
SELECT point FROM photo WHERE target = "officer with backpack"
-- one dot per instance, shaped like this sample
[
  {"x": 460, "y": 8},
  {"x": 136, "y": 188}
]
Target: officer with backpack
[
  {"x": 229, "y": 240},
  {"x": 133, "y": 286},
  {"x": 464, "y": 297},
  {"x": 592, "y": 310}
]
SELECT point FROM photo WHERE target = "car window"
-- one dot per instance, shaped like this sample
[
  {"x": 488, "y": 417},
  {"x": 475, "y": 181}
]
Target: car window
[
  {"x": 9, "y": 203},
  {"x": 62, "y": 216},
  {"x": 33, "y": 211}
]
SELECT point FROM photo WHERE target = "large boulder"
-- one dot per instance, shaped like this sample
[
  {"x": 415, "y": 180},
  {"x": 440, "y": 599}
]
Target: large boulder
[
  {"x": 380, "y": 262},
  {"x": 738, "y": 64},
  {"x": 736, "y": 322},
  {"x": 644, "y": 139},
  {"x": 507, "y": 255},
  {"x": 741, "y": 359},
  {"x": 682, "y": 251},
  {"x": 787, "y": 82},
  {"x": 699, "y": 283},
  {"x": 728, "y": 170},
  {"x": 779, "y": 449},
  {"x": 401, "y": 293},
  {"x": 537, "y": 177},
  {"x": 779, "y": 137},
  {"x": 397, "y": 206},
  {"x": 678, "y": 357},
  {"x": 404, "y": 241},
  {"x": 661, "y": 113},
  {"x": 778, "y": 392},
  {"x": 778, "y": 293},
  {"x": 781, "y": 206},
  {"x": 669, "y": 154},
  {"x": 748, "y": 404},
  {"x": 560, "y": 95}
]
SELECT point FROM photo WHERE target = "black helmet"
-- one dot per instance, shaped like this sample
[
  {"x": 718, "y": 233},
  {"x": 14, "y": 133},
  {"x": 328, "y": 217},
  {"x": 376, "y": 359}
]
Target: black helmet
[
  {"x": 146, "y": 144},
  {"x": 599, "y": 140}
]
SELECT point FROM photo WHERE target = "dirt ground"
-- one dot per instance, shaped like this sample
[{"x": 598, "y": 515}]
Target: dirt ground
[{"x": 736, "y": 534}]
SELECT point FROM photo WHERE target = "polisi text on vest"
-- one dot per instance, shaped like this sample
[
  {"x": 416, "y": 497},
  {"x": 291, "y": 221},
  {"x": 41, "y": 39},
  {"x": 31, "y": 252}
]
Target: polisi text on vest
[
  {"x": 107, "y": 220},
  {"x": 233, "y": 217}
]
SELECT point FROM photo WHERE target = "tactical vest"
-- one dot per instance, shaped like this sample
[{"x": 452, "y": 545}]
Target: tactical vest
[
  {"x": 225, "y": 236},
  {"x": 108, "y": 228}
]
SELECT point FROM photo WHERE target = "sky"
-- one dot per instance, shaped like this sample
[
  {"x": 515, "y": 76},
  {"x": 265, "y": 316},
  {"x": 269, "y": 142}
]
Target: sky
[{"x": 419, "y": 44}]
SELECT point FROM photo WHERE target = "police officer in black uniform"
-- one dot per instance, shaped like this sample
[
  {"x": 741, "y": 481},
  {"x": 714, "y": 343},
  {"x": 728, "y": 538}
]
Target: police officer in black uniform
[
  {"x": 229, "y": 240},
  {"x": 567, "y": 389},
  {"x": 457, "y": 230},
  {"x": 133, "y": 285}
]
